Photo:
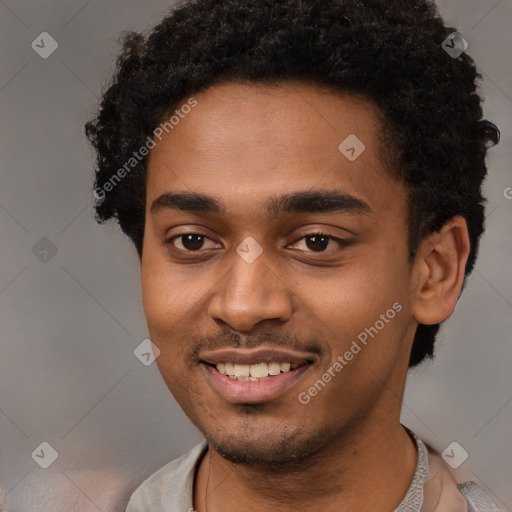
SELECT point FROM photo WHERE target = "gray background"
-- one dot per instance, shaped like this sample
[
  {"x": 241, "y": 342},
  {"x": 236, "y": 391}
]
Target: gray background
[{"x": 68, "y": 375}]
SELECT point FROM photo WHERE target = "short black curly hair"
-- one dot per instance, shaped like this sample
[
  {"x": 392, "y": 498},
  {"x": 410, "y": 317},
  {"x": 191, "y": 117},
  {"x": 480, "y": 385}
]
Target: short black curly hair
[{"x": 388, "y": 51}]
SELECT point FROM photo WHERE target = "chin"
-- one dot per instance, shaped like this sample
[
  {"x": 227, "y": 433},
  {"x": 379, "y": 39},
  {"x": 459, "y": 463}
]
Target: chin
[{"x": 253, "y": 445}]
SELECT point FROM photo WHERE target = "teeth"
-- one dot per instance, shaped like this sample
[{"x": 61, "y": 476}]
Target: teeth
[
  {"x": 274, "y": 368},
  {"x": 259, "y": 370},
  {"x": 254, "y": 372},
  {"x": 241, "y": 370}
]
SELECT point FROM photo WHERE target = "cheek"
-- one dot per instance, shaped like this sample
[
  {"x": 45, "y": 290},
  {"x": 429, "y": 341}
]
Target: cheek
[
  {"x": 172, "y": 298},
  {"x": 168, "y": 308},
  {"x": 362, "y": 291},
  {"x": 367, "y": 302},
  {"x": 157, "y": 298},
  {"x": 162, "y": 300}
]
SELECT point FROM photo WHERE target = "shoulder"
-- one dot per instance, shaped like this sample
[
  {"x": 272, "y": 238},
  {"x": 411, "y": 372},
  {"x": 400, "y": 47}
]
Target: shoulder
[
  {"x": 476, "y": 498},
  {"x": 442, "y": 492},
  {"x": 169, "y": 488}
]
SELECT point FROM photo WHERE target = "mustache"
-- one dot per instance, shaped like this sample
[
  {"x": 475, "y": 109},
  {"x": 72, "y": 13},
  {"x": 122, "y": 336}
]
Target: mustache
[{"x": 231, "y": 339}]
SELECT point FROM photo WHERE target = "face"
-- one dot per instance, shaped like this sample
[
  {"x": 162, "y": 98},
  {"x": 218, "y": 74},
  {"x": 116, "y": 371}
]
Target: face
[{"x": 276, "y": 255}]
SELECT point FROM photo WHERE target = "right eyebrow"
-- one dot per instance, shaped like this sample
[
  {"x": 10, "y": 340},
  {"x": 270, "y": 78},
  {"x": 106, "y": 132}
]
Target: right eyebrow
[{"x": 187, "y": 201}]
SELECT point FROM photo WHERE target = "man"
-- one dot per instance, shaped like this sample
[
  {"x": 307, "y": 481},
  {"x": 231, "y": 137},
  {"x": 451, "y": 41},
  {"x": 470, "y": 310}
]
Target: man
[{"x": 301, "y": 179}]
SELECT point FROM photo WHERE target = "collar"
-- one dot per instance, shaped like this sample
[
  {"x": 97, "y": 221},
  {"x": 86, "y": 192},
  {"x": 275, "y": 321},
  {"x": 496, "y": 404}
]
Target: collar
[{"x": 413, "y": 500}]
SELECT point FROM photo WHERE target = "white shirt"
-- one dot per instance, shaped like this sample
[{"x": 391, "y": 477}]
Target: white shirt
[{"x": 433, "y": 488}]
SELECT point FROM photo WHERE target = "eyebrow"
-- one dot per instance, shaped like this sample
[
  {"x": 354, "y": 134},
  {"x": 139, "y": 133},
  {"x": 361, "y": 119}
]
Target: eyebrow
[{"x": 317, "y": 201}]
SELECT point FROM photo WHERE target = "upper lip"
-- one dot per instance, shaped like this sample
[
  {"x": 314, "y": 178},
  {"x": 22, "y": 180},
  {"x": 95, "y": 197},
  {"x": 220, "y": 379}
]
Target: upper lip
[{"x": 255, "y": 356}]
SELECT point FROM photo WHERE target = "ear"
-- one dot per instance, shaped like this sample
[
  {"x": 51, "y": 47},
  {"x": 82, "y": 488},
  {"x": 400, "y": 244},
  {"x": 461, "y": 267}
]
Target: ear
[{"x": 439, "y": 272}]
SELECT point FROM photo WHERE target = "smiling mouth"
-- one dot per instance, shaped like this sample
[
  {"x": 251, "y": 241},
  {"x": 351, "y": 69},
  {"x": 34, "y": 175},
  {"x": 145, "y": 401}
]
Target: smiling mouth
[
  {"x": 241, "y": 375},
  {"x": 255, "y": 372}
]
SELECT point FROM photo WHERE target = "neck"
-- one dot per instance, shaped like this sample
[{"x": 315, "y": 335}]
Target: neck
[{"x": 369, "y": 467}]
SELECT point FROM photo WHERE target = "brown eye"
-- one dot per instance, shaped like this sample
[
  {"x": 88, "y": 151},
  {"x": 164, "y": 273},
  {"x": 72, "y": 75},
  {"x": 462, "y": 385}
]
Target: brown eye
[
  {"x": 189, "y": 241},
  {"x": 319, "y": 242}
]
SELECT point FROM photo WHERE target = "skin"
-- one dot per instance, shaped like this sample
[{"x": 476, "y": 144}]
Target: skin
[{"x": 243, "y": 143}]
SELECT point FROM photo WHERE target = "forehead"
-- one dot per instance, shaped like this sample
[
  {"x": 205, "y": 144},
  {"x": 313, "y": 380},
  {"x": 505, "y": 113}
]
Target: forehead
[{"x": 245, "y": 142}]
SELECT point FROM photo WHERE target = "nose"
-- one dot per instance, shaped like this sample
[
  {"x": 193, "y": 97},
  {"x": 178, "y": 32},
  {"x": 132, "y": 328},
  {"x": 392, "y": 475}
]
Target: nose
[{"x": 250, "y": 293}]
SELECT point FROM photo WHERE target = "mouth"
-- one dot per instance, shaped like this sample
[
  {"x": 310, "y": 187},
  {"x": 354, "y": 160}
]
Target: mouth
[
  {"x": 253, "y": 376},
  {"x": 254, "y": 372}
]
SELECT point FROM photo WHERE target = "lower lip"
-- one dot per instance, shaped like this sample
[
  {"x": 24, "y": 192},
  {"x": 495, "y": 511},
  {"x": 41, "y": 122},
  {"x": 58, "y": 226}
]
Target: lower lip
[{"x": 250, "y": 392}]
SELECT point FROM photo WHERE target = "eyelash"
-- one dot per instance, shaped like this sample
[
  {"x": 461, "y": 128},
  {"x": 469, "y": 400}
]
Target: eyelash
[{"x": 343, "y": 243}]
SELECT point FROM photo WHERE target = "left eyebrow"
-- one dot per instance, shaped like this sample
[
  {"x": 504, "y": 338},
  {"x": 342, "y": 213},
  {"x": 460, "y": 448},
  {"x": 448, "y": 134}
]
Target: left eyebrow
[{"x": 315, "y": 201}]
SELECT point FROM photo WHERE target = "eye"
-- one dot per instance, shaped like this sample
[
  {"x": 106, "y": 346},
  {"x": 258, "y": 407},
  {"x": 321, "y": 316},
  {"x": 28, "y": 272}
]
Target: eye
[
  {"x": 189, "y": 242},
  {"x": 194, "y": 242},
  {"x": 318, "y": 242}
]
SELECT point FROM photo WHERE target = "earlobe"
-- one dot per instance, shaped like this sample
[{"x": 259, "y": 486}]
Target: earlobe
[{"x": 439, "y": 269}]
